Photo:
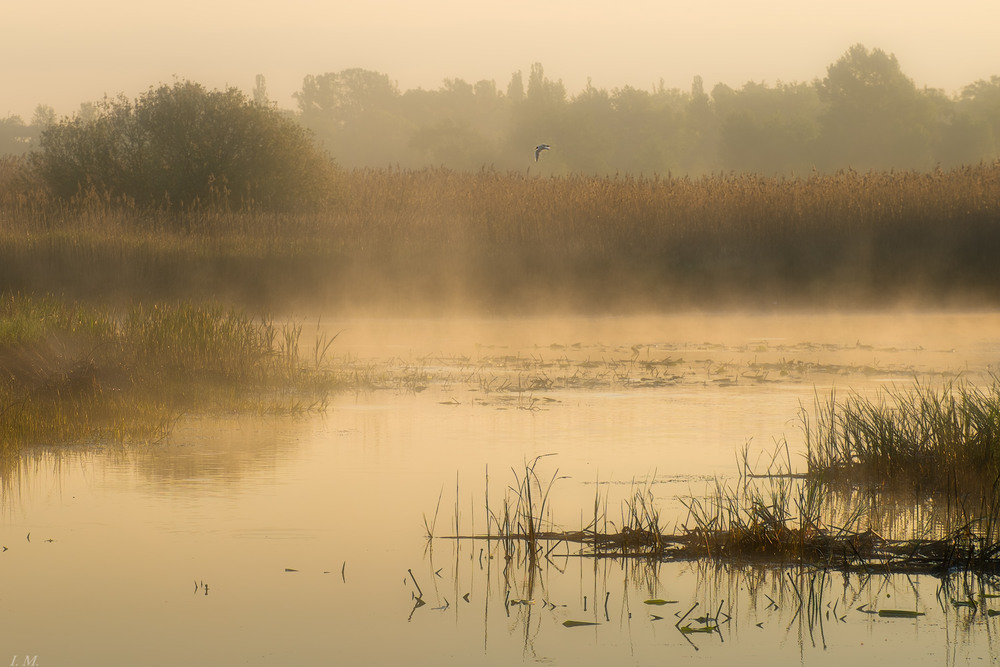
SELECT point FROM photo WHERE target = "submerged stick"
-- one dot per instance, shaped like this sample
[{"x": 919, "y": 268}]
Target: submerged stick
[
  {"x": 681, "y": 620},
  {"x": 414, "y": 579}
]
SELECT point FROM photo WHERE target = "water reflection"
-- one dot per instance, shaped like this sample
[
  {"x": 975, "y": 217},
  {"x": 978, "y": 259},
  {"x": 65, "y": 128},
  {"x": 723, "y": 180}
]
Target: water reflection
[
  {"x": 216, "y": 451},
  {"x": 567, "y": 608},
  {"x": 202, "y": 452}
]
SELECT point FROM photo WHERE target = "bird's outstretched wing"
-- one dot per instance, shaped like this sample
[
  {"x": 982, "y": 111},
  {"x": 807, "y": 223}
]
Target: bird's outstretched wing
[{"x": 539, "y": 148}]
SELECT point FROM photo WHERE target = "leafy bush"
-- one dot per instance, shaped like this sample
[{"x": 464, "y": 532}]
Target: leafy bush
[{"x": 184, "y": 146}]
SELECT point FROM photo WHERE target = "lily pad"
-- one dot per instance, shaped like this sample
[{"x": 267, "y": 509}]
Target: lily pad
[
  {"x": 687, "y": 629},
  {"x": 899, "y": 613}
]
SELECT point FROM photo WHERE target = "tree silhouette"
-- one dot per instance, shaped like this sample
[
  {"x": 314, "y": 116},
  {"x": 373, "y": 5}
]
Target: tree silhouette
[
  {"x": 973, "y": 133},
  {"x": 875, "y": 118},
  {"x": 767, "y": 130},
  {"x": 355, "y": 115}
]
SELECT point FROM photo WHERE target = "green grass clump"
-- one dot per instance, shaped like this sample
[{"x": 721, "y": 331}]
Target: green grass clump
[
  {"x": 930, "y": 435},
  {"x": 76, "y": 373}
]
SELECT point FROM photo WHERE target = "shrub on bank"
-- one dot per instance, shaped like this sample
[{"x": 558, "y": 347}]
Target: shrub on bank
[{"x": 183, "y": 145}]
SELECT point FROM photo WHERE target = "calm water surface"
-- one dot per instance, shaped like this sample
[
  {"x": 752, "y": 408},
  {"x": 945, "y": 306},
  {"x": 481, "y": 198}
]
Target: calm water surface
[{"x": 302, "y": 541}]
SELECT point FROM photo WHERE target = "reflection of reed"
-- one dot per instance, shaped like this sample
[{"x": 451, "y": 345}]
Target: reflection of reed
[
  {"x": 710, "y": 601},
  {"x": 18, "y": 471}
]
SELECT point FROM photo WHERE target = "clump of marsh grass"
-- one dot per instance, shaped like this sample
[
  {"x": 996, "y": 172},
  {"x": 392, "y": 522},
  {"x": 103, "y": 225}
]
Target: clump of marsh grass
[
  {"x": 523, "y": 518},
  {"x": 639, "y": 532},
  {"x": 932, "y": 436},
  {"x": 754, "y": 519},
  {"x": 522, "y": 511}
]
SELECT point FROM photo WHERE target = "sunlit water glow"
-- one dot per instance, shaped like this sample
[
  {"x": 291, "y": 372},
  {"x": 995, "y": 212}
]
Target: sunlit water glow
[{"x": 265, "y": 541}]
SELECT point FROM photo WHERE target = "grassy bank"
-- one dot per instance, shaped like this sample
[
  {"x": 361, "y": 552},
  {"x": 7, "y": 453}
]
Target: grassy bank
[
  {"x": 441, "y": 240},
  {"x": 72, "y": 373}
]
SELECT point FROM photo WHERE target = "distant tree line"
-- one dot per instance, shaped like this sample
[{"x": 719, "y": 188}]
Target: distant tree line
[
  {"x": 18, "y": 137},
  {"x": 865, "y": 114}
]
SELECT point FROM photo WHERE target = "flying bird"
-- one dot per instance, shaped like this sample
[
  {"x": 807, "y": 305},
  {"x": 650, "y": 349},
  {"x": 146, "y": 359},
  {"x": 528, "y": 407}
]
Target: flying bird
[{"x": 539, "y": 148}]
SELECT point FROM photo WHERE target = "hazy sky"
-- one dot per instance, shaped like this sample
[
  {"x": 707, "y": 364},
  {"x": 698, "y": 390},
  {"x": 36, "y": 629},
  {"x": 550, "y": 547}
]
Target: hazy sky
[{"x": 64, "y": 52}]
